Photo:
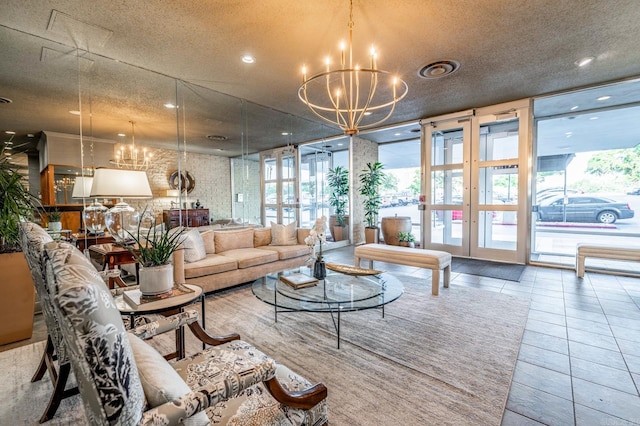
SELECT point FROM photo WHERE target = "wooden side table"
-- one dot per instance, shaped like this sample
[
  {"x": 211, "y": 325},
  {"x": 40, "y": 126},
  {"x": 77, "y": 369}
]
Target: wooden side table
[
  {"x": 167, "y": 306},
  {"x": 83, "y": 241},
  {"x": 111, "y": 256}
]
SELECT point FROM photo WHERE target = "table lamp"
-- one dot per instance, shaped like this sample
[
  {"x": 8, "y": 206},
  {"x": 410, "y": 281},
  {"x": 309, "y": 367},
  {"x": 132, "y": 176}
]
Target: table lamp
[
  {"x": 121, "y": 219},
  {"x": 93, "y": 214}
]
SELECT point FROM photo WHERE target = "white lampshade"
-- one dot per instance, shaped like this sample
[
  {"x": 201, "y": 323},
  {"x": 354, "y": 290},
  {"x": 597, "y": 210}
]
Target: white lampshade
[
  {"x": 118, "y": 183},
  {"x": 82, "y": 187},
  {"x": 122, "y": 219}
]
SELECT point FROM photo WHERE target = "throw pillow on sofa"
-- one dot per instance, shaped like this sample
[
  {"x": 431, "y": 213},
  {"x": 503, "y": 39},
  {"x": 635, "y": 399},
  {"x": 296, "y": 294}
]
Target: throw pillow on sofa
[
  {"x": 193, "y": 243},
  {"x": 209, "y": 244},
  {"x": 261, "y": 237},
  {"x": 284, "y": 235}
]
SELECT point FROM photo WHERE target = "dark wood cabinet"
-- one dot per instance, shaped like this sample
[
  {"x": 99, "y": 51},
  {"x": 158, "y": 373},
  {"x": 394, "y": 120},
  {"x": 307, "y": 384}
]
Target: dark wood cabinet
[{"x": 190, "y": 218}]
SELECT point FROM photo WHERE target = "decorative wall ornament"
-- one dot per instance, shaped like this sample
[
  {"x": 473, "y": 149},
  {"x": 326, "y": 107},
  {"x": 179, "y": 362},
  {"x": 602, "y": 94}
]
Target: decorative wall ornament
[{"x": 185, "y": 180}]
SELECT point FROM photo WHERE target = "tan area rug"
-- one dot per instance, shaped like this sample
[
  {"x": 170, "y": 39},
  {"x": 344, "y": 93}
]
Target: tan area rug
[{"x": 444, "y": 360}]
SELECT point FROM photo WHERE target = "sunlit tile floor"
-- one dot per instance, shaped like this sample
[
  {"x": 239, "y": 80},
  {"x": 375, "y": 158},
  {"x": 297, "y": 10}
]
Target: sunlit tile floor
[{"x": 579, "y": 361}]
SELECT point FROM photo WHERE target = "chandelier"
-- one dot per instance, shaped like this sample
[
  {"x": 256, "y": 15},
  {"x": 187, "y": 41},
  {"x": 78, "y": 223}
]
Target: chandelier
[
  {"x": 130, "y": 157},
  {"x": 351, "y": 97}
]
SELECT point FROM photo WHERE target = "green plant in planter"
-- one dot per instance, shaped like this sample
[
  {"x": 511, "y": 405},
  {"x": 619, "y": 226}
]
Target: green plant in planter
[
  {"x": 16, "y": 204},
  {"x": 371, "y": 178},
  {"x": 54, "y": 216},
  {"x": 406, "y": 237},
  {"x": 338, "y": 180},
  {"x": 154, "y": 246}
]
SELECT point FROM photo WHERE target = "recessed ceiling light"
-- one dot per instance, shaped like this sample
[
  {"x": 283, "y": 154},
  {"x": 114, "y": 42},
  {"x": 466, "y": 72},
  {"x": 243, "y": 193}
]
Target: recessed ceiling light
[
  {"x": 122, "y": 135},
  {"x": 169, "y": 105},
  {"x": 248, "y": 59},
  {"x": 340, "y": 144},
  {"x": 593, "y": 118},
  {"x": 604, "y": 98},
  {"x": 29, "y": 135},
  {"x": 367, "y": 113},
  {"x": 397, "y": 134},
  {"x": 584, "y": 61},
  {"x": 74, "y": 112},
  {"x": 219, "y": 149},
  {"x": 10, "y": 132},
  {"x": 439, "y": 69},
  {"x": 285, "y": 133},
  {"x": 573, "y": 108}
]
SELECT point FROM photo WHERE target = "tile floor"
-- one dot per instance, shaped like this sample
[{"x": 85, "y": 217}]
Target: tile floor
[{"x": 579, "y": 361}]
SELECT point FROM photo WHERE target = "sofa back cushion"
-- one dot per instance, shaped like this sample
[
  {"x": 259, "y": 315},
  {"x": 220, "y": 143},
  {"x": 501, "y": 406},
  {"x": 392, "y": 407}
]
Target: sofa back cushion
[
  {"x": 261, "y": 237},
  {"x": 232, "y": 240},
  {"x": 284, "y": 235}
]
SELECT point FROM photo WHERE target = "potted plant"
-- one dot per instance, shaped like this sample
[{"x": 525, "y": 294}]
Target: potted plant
[
  {"x": 17, "y": 292},
  {"x": 338, "y": 180},
  {"x": 406, "y": 239},
  {"x": 371, "y": 179},
  {"x": 153, "y": 249},
  {"x": 54, "y": 220}
]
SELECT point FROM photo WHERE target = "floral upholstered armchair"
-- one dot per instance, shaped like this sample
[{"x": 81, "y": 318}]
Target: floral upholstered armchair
[
  {"x": 124, "y": 381},
  {"x": 32, "y": 241}
]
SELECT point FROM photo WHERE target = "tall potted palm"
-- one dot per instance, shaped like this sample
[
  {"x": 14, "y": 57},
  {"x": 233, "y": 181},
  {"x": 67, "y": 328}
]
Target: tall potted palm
[
  {"x": 338, "y": 180},
  {"x": 371, "y": 179},
  {"x": 17, "y": 292}
]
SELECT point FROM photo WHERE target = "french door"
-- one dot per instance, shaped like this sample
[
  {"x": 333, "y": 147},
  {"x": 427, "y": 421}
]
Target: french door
[
  {"x": 475, "y": 183},
  {"x": 279, "y": 181}
]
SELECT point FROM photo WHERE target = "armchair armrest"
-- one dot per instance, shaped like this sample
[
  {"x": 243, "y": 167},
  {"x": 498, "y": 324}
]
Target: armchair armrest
[{"x": 188, "y": 317}]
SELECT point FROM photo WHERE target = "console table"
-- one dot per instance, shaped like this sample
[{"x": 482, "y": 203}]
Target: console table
[{"x": 190, "y": 217}]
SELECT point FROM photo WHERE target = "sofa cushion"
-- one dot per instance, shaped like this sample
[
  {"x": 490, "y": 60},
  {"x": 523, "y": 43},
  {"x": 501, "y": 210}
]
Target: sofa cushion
[
  {"x": 261, "y": 237},
  {"x": 284, "y": 235},
  {"x": 160, "y": 382},
  {"x": 288, "y": 252},
  {"x": 193, "y": 245},
  {"x": 211, "y": 264},
  {"x": 248, "y": 257},
  {"x": 232, "y": 240},
  {"x": 209, "y": 244}
]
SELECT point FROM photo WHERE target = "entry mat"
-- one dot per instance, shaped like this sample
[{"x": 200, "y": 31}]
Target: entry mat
[{"x": 486, "y": 268}]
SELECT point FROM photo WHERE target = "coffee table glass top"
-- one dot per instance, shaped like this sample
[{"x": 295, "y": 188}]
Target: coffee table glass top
[{"x": 336, "y": 292}]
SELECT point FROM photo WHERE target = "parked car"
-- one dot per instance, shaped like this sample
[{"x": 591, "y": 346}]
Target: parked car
[
  {"x": 545, "y": 194},
  {"x": 634, "y": 192},
  {"x": 583, "y": 208}
]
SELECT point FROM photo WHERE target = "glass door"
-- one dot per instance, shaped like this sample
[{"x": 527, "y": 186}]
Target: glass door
[
  {"x": 447, "y": 214},
  {"x": 475, "y": 173},
  {"x": 279, "y": 171},
  {"x": 314, "y": 191}
]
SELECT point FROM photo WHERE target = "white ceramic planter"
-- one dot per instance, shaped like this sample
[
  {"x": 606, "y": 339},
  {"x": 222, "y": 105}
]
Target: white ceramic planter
[
  {"x": 55, "y": 226},
  {"x": 156, "y": 280}
]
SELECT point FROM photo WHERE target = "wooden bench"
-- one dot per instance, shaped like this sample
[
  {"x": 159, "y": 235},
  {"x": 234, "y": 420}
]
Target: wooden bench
[
  {"x": 603, "y": 252},
  {"x": 430, "y": 259}
]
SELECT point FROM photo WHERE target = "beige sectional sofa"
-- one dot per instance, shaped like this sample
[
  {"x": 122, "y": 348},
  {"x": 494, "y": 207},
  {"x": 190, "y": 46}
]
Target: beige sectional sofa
[{"x": 217, "y": 259}]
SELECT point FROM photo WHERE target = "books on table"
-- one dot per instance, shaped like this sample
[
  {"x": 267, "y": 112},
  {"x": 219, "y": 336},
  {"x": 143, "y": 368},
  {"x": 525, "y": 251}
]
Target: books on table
[{"x": 298, "y": 280}]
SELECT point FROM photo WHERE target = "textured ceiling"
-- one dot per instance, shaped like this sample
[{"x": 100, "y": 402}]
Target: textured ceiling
[{"x": 131, "y": 51}]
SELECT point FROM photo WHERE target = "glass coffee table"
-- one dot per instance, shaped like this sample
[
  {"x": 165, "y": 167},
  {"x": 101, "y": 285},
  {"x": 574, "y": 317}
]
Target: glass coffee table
[{"x": 337, "y": 293}]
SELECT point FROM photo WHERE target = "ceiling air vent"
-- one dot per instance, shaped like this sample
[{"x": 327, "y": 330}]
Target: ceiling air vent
[
  {"x": 5, "y": 100},
  {"x": 217, "y": 138},
  {"x": 439, "y": 69}
]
